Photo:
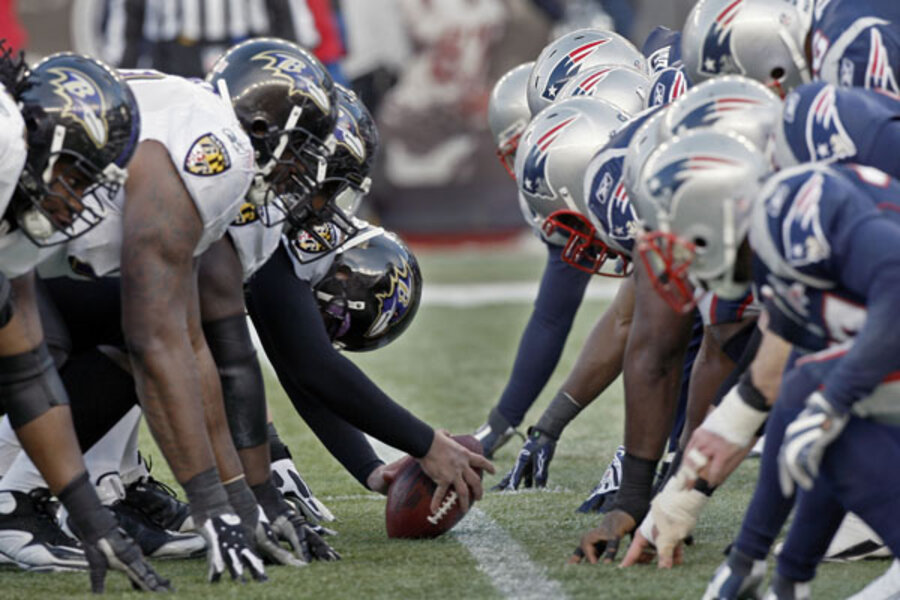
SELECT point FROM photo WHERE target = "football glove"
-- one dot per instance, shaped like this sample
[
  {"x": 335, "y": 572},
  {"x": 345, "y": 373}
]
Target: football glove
[
  {"x": 117, "y": 551},
  {"x": 805, "y": 441},
  {"x": 532, "y": 464},
  {"x": 602, "y": 495},
  {"x": 268, "y": 547},
  {"x": 738, "y": 578},
  {"x": 292, "y": 486},
  {"x": 227, "y": 548},
  {"x": 305, "y": 542}
]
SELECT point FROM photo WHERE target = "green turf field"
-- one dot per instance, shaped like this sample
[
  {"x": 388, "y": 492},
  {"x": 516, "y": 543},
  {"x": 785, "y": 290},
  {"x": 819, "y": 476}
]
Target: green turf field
[{"x": 449, "y": 369}]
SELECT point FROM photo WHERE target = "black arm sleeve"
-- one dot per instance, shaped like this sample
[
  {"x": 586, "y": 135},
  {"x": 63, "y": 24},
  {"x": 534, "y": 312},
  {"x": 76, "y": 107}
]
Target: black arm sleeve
[{"x": 286, "y": 316}]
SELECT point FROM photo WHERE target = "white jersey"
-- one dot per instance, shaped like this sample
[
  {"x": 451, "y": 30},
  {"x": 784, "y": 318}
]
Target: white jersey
[
  {"x": 208, "y": 149},
  {"x": 254, "y": 242}
]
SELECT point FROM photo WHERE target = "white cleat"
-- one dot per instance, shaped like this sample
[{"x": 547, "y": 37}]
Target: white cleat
[
  {"x": 854, "y": 540},
  {"x": 30, "y": 537}
]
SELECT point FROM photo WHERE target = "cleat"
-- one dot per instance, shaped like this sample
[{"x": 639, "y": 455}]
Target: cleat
[
  {"x": 886, "y": 587},
  {"x": 30, "y": 536},
  {"x": 602, "y": 496},
  {"x": 738, "y": 578},
  {"x": 854, "y": 540},
  {"x": 494, "y": 434},
  {"x": 159, "y": 503},
  {"x": 297, "y": 493},
  {"x": 154, "y": 541},
  {"x": 785, "y": 589}
]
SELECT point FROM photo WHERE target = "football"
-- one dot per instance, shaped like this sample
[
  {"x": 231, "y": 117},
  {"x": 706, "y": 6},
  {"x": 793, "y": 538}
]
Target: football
[{"x": 408, "y": 510}]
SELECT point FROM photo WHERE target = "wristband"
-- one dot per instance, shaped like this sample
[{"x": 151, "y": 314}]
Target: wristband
[
  {"x": 736, "y": 419},
  {"x": 559, "y": 413}
]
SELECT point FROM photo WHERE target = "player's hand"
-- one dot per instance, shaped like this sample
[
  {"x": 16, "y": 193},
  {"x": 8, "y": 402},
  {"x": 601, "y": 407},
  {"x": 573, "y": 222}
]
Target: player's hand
[
  {"x": 602, "y": 542},
  {"x": 227, "y": 549},
  {"x": 117, "y": 551},
  {"x": 304, "y": 541},
  {"x": 601, "y": 497},
  {"x": 287, "y": 479},
  {"x": 532, "y": 464},
  {"x": 381, "y": 478},
  {"x": 268, "y": 547},
  {"x": 450, "y": 464},
  {"x": 805, "y": 441},
  {"x": 718, "y": 456}
]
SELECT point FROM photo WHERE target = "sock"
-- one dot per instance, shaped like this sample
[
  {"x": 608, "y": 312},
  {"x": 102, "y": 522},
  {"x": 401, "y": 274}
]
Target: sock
[{"x": 90, "y": 519}]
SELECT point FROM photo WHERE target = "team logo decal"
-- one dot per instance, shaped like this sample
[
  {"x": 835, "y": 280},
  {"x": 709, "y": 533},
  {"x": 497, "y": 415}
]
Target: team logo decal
[
  {"x": 346, "y": 134},
  {"x": 301, "y": 77},
  {"x": 670, "y": 85},
  {"x": 568, "y": 67},
  {"x": 534, "y": 173},
  {"x": 671, "y": 177},
  {"x": 207, "y": 157},
  {"x": 659, "y": 59},
  {"x": 587, "y": 86},
  {"x": 879, "y": 72},
  {"x": 803, "y": 239},
  {"x": 610, "y": 204},
  {"x": 313, "y": 244},
  {"x": 715, "y": 55},
  {"x": 84, "y": 102},
  {"x": 246, "y": 215},
  {"x": 710, "y": 112},
  {"x": 393, "y": 303},
  {"x": 826, "y": 137}
]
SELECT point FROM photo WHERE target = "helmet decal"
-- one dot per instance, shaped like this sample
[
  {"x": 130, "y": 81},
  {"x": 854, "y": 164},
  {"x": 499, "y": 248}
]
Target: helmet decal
[
  {"x": 568, "y": 66},
  {"x": 84, "y": 102},
  {"x": 346, "y": 134},
  {"x": 286, "y": 66},
  {"x": 826, "y": 137},
  {"x": 715, "y": 55},
  {"x": 394, "y": 302},
  {"x": 585, "y": 87},
  {"x": 672, "y": 176},
  {"x": 879, "y": 72},
  {"x": 534, "y": 173},
  {"x": 711, "y": 111}
]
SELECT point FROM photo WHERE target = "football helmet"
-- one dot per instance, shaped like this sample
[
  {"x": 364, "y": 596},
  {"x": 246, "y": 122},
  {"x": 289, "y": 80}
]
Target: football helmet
[
  {"x": 82, "y": 127},
  {"x": 702, "y": 185},
  {"x": 666, "y": 86},
  {"x": 287, "y": 103},
  {"x": 729, "y": 103},
  {"x": 371, "y": 293},
  {"x": 621, "y": 86},
  {"x": 555, "y": 150},
  {"x": 644, "y": 141},
  {"x": 567, "y": 56},
  {"x": 508, "y": 113},
  {"x": 761, "y": 39}
]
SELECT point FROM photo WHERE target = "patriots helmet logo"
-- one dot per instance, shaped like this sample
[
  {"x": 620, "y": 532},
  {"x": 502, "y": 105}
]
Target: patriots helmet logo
[
  {"x": 669, "y": 179},
  {"x": 84, "y": 102},
  {"x": 534, "y": 172},
  {"x": 346, "y": 134},
  {"x": 587, "y": 86},
  {"x": 393, "y": 303},
  {"x": 715, "y": 55},
  {"x": 609, "y": 203},
  {"x": 710, "y": 112},
  {"x": 826, "y": 137},
  {"x": 288, "y": 67},
  {"x": 568, "y": 66},
  {"x": 880, "y": 73}
]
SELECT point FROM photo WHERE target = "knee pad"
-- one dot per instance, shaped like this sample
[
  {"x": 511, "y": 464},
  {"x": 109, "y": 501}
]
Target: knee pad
[
  {"x": 243, "y": 390},
  {"x": 30, "y": 385}
]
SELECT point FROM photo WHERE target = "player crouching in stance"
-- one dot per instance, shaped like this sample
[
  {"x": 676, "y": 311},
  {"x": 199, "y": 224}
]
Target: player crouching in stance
[{"x": 80, "y": 125}]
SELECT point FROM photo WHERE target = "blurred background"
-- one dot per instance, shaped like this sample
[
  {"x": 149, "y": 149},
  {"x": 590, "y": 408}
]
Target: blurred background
[{"x": 424, "y": 68}]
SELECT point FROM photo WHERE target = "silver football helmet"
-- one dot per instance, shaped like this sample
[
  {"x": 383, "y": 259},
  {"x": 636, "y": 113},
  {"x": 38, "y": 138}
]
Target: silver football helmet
[
  {"x": 762, "y": 39},
  {"x": 645, "y": 140},
  {"x": 622, "y": 86},
  {"x": 550, "y": 164},
  {"x": 731, "y": 103},
  {"x": 702, "y": 185},
  {"x": 567, "y": 56},
  {"x": 508, "y": 113}
]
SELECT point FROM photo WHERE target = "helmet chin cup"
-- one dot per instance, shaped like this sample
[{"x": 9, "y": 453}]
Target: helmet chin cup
[
  {"x": 583, "y": 249},
  {"x": 507, "y": 154},
  {"x": 667, "y": 259}
]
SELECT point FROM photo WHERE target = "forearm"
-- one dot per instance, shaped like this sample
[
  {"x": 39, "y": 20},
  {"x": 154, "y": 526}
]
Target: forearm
[{"x": 711, "y": 367}]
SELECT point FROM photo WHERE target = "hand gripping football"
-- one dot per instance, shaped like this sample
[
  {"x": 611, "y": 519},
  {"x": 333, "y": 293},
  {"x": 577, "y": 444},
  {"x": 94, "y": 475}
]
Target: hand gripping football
[{"x": 408, "y": 510}]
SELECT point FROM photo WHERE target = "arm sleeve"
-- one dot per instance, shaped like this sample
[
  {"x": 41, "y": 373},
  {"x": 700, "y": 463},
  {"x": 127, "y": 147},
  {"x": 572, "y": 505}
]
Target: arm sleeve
[
  {"x": 286, "y": 316},
  {"x": 872, "y": 269},
  {"x": 560, "y": 295}
]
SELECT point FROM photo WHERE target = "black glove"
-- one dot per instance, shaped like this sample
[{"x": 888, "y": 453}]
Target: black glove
[
  {"x": 306, "y": 543},
  {"x": 268, "y": 547},
  {"x": 533, "y": 463},
  {"x": 117, "y": 551},
  {"x": 227, "y": 547}
]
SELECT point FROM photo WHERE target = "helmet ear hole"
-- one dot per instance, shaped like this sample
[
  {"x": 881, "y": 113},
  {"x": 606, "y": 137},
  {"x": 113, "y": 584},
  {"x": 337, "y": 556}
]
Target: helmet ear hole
[
  {"x": 259, "y": 127},
  {"x": 699, "y": 243},
  {"x": 777, "y": 74},
  {"x": 343, "y": 273}
]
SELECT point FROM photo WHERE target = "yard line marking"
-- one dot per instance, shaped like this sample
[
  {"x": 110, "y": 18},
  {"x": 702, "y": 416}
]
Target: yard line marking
[
  {"x": 503, "y": 560},
  {"x": 486, "y": 294}
]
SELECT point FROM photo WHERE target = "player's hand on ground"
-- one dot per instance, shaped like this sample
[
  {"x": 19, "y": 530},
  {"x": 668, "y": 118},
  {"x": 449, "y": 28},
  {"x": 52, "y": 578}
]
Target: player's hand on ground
[
  {"x": 227, "y": 549},
  {"x": 380, "y": 479},
  {"x": 117, "y": 551},
  {"x": 269, "y": 548},
  {"x": 451, "y": 465},
  {"x": 306, "y": 544},
  {"x": 532, "y": 467},
  {"x": 602, "y": 542},
  {"x": 721, "y": 457}
]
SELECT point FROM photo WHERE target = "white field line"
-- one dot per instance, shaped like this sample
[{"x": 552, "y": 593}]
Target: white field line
[{"x": 487, "y": 294}]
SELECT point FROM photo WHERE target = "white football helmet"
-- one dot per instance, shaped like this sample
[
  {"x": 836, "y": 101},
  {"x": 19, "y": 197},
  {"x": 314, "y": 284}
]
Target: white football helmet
[{"x": 508, "y": 113}]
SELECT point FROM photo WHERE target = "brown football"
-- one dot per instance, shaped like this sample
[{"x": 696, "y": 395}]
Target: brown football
[{"x": 408, "y": 510}]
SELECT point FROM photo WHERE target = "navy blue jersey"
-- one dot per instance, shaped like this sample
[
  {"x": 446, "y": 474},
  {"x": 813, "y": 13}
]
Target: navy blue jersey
[
  {"x": 825, "y": 123},
  {"x": 856, "y": 43},
  {"x": 667, "y": 86},
  {"x": 662, "y": 49},
  {"x": 827, "y": 243}
]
